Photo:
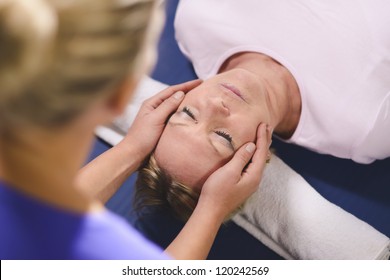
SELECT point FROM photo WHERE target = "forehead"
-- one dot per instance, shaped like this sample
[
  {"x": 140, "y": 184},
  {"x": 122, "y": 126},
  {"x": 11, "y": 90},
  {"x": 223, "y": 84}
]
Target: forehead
[
  {"x": 187, "y": 157},
  {"x": 240, "y": 78}
]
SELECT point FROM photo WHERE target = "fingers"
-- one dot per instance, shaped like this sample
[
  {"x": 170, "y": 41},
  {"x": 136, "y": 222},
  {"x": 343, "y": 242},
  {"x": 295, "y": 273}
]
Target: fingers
[
  {"x": 160, "y": 97},
  {"x": 258, "y": 153},
  {"x": 255, "y": 169},
  {"x": 168, "y": 106},
  {"x": 238, "y": 185},
  {"x": 187, "y": 86},
  {"x": 240, "y": 160},
  {"x": 263, "y": 141}
]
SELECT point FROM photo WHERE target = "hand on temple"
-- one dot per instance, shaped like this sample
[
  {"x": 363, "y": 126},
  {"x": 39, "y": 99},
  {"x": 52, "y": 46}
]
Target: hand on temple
[
  {"x": 224, "y": 191},
  {"x": 150, "y": 121},
  {"x": 229, "y": 186},
  {"x": 102, "y": 177}
]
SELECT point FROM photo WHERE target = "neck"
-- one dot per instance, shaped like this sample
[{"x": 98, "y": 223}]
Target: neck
[
  {"x": 280, "y": 87},
  {"x": 44, "y": 163}
]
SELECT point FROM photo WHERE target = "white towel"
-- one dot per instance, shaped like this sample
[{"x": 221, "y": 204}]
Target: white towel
[
  {"x": 286, "y": 213},
  {"x": 291, "y": 218}
]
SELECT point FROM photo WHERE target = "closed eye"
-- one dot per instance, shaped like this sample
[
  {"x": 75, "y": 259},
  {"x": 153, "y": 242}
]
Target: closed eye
[
  {"x": 226, "y": 136},
  {"x": 189, "y": 113}
]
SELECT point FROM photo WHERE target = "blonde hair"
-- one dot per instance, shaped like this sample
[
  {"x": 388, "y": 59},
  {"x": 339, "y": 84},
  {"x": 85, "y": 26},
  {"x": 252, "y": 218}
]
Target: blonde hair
[
  {"x": 58, "y": 55},
  {"x": 155, "y": 187}
]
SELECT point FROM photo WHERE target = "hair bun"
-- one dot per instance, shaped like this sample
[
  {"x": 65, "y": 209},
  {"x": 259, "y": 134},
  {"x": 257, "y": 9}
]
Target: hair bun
[{"x": 26, "y": 31}]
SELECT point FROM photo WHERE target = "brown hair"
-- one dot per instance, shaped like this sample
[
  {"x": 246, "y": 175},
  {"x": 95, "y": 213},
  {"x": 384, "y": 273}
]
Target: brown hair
[
  {"x": 154, "y": 187},
  {"x": 58, "y": 55}
]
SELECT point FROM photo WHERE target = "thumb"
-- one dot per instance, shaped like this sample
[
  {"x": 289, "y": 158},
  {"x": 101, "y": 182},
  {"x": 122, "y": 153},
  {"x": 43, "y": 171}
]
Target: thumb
[
  {"x": 170, "y": 104},
  {"x": 240, "y": 159}
]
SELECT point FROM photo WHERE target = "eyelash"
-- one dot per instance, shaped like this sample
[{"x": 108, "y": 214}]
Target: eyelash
[
  {"x": 189, "y": 113},
  {"x": 223, "y": 134}
]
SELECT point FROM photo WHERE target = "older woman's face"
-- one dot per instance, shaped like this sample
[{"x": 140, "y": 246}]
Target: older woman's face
[{"x": 212, "y": 122}]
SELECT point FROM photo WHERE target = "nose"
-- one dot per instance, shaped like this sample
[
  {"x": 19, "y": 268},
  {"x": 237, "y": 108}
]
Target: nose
[{"x": 217, "y": 106}]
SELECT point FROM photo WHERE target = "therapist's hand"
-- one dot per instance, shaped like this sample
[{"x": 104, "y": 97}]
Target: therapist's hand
[
  {"x": 229, "y": 186},
  {"x": 150, "y": 121}
]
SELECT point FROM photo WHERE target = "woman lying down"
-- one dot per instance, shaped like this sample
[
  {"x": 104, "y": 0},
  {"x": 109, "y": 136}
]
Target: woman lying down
[
  {"x": 317, "y": 74},
  {"x": 286, "y": 213}
]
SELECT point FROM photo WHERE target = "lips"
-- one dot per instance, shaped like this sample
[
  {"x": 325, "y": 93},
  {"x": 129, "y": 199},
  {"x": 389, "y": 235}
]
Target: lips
[{"x": 234, "y": 90}]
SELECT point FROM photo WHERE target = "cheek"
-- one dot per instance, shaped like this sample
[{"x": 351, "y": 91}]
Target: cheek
[
  {"x": 247, "y": 128},
  {"x": 185, "y": 161},
  {"x": 249, "y": 135}
]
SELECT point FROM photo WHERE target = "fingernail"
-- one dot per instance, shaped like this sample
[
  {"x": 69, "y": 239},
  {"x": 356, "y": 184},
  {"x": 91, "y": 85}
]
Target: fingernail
[
  {"x": 250, "y": 147},
  {"x": 178, "y": 95}
]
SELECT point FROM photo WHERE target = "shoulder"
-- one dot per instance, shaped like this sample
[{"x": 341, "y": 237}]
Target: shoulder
[
  {"x": 37, "y": 231},
  {"x": 105, "y": 235},
  {"x": 374, "y": 142}
]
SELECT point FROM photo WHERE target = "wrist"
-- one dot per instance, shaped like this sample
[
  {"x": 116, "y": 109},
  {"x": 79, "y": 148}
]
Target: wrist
[
  {"x": 132, "y": 154},
  {"x": 209, "y": 212}
]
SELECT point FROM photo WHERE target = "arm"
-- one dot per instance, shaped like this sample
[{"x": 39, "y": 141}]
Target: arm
[
  {"x": 103, "y": 176},
  {"x": 223, "y": 192}
]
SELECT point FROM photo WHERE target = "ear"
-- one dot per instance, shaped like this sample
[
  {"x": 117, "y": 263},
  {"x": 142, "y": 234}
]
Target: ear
[{"x": 119, "y": 99}]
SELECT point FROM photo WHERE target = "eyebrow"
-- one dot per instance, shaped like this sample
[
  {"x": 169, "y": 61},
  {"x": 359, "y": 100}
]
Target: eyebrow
[{"x": 174, "y": 124}]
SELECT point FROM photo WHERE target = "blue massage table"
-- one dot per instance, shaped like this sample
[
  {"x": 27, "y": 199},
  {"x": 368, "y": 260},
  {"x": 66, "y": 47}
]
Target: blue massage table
[{"x": 363, "y": 190}]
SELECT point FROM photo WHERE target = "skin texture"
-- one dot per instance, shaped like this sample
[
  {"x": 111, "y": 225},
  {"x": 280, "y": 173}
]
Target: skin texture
[
  {"x": 208, "y": 116},
  {"x": 223, "y": 113}
]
